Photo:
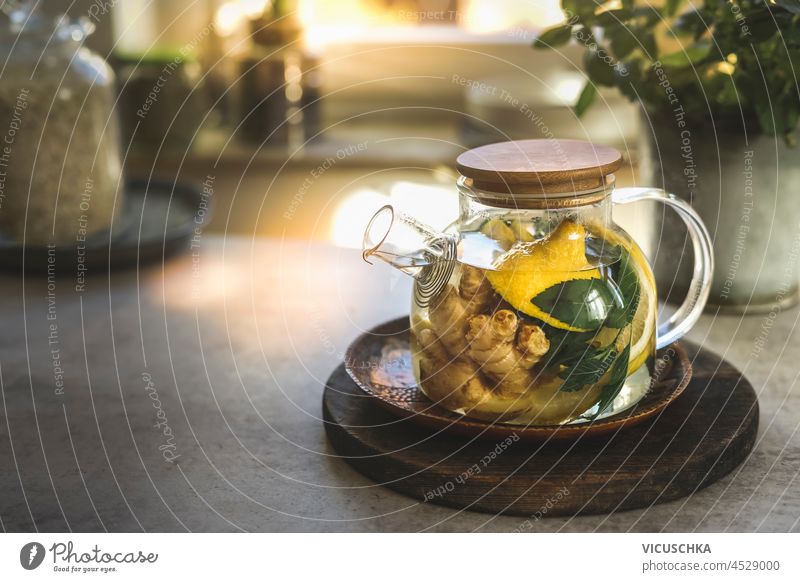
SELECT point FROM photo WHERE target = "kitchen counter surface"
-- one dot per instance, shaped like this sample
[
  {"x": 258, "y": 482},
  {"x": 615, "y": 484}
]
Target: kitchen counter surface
[{"x": 187, "y": 397}]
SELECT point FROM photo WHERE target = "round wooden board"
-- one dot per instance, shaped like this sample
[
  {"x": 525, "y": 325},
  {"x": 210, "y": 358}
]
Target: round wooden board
[{"x": 699, "y": 438}]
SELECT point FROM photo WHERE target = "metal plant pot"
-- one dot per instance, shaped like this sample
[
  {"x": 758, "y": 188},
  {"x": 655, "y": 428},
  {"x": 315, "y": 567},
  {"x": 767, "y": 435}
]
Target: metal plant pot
[{"x": 743, "y": 184}]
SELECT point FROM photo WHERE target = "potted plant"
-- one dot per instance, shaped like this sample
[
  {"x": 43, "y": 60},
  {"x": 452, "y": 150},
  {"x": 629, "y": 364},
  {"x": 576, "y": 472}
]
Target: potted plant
[{"x": 720, "y": 98}]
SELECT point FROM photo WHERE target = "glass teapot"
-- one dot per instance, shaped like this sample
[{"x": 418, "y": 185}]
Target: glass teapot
[{"x": 534, "y": 307}]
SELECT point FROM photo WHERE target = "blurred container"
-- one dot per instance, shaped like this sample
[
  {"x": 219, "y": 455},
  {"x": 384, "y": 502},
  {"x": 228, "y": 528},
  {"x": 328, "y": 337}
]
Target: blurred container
[
  {"x": 60, "y": 168},
  {"x": 162, "y": 98},
  {"x": 279, "y": 97}
]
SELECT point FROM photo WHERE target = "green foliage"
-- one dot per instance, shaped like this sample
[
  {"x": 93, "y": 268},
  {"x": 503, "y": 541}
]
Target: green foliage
[
  {"x": 554, "y": 37},
  {"x": 581, "y": 303},
  {"x": 629, "y": 288},
  {"x": 594, "y": 364},
  {"x": 593, "y": 305},
  {"x": 587, "y": 304},
  {"x": 566, "y": 347},
  {"x": 586, "y": 98},
  {"x": 671, "y": 7},
  {"x": 731, "y": 57},
  {"x": 688, "y": 57},
  {"x": 619, "y": 373}
]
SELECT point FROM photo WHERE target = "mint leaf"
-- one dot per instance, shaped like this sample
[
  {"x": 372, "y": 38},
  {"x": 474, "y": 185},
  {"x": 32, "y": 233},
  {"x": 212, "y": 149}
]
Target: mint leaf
[
  {"x": 619, "y": 373},
  {"x": 671, "y": 7},
  {"x": 614, "y": 18},
  {"x": 598, "y": 69},
  {"x": 629, "y": 289},
  {"x": 689, "y": 56},
  {"x": 566, "y": 347},
  {"x": 585, "y": 100},
  {"x": 693, "y": 23},
  {"x": 766, "y": 114},
  {"x": 580, "y": 8},
  {"x": 623, "y": 42},
  {"x": 582, "y": 303},
  {"x": 593, "y": 366},
  {"x": 554, "y": 37}
]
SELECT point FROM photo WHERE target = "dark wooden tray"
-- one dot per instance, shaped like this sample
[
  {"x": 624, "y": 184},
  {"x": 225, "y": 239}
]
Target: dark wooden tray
[{"x": 697, "y": 439}]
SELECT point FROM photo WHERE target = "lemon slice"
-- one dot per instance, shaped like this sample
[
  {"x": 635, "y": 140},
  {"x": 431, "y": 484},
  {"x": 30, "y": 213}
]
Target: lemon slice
[
  {"x": 499, "y": 231},
  {"x": 530, "y": 268},
  {"x": 643, "y": 335},
  {"x": 644, "y": 320},
  {"x": 520, "y": 231}
]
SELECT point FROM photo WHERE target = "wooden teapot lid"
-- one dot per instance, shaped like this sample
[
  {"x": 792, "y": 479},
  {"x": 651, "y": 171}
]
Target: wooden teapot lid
[{"x": 539, "y": 166}]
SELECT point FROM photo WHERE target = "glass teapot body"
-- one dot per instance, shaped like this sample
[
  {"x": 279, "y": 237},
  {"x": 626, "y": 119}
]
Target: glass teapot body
[
  {"x": 547, "y": 315},
  {"x": 535, "y": 308}
]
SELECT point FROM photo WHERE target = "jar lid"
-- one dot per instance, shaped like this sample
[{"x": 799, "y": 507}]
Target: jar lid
[{"x": 539, "y": 166}]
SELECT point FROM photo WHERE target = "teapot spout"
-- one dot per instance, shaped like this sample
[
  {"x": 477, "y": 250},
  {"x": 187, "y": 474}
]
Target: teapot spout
[{"x": 405, "y": 243}]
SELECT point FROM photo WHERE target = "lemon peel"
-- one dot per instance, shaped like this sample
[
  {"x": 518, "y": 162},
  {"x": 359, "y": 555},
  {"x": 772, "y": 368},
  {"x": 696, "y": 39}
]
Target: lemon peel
[
  {"x": 642, "y": 338},
  {"x": 530, "y": 268}
]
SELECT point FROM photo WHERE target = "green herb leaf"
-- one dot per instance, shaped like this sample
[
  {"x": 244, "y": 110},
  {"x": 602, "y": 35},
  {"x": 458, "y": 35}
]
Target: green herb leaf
[
  {"x": 627, "y": 77},
  {"x": 690, "y": 56},
  {"x": 623, "y": 42},
  {"x": 585, "y": 100},
  {"x": 726, "y": 90},
  {"x": 762, "y": 28},
  {"x": 671, "y": 7},
  {"x": 692, "y": 23},
  {"x": 763, "y": 34},
  {"x": 566, "y": 347},
  {"x": 649, "y": 46},
  {"x": 580, "y": 8},
  {"x": 766, "y": 116},
  {"x": 628, "y": 285},
  {"x": 595, "y": 363},
  {"x": 600, "y": 71},
  {"x": 614, "y": 18},
  {"x": 554, "y": 37},
  {"x": 619, "y": 373},
  {"x": 582, "y": 303}
]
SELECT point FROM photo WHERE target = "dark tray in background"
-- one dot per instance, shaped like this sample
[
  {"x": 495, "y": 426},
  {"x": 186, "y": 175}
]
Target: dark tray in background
[{"x": 158, "y": 219}]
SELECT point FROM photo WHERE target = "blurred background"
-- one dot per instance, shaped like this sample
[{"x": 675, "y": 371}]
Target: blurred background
[{"x": 308, "y": 113}]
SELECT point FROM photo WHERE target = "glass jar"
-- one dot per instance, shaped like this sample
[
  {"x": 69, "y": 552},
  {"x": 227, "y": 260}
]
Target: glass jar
[
  {"x": 161, "y": 99},
  {"x": 60, "y": 164},
  {"x": 536, "y": 308}
]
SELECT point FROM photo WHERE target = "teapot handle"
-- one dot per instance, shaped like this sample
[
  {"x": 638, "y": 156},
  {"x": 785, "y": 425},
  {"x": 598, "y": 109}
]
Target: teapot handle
[{"x": 687, "y": 314}]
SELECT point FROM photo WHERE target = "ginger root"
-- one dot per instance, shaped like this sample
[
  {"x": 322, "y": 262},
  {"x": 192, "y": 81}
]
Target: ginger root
[
  {"x": 452, "y": 382},
  {"x": 474, "y": 288},
  {"x": 532, "y": 343},
  {"x": 451, "y": 310},
  {"x": 448, "y": 315},
  {"x": 492, "y": 346}
]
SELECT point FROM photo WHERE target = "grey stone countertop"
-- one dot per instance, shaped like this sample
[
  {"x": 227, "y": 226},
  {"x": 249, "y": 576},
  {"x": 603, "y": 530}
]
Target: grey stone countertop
[{"x": 187, "y": 397}]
